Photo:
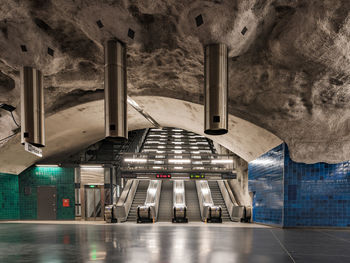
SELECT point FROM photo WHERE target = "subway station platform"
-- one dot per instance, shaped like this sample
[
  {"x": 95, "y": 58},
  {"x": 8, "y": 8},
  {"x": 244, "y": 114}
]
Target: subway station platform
[{"x": 75, "y": 241}]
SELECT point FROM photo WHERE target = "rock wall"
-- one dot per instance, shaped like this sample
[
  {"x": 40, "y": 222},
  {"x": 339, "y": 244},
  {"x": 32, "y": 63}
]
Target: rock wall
[{"x": 288, "y": 67}]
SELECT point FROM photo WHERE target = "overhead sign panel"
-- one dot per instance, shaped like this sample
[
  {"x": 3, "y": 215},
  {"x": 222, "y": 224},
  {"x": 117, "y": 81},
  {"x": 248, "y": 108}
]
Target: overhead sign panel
[{"x": 32, "y": 149}]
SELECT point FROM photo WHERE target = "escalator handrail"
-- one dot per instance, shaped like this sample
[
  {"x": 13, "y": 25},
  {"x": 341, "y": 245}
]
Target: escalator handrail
[
  {"x": 125, "y": 200},
  {"x": 204, "y": 197},
  {"x": 179, "y": 190},
  {"x": 152, "y": 197}
]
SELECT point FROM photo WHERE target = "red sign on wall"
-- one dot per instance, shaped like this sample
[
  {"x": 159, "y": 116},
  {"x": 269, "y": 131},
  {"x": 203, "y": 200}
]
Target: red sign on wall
[{"x": 65, "y": 202}]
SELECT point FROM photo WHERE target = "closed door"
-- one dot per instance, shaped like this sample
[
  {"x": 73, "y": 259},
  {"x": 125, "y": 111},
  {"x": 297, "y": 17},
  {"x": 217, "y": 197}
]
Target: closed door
[
  {"x": 93, "y": 203},
  {"x": 47, "y": 200}
]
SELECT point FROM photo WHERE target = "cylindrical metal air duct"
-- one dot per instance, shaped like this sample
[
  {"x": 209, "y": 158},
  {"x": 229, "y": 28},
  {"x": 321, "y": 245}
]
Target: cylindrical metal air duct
[
  {"x": 215, "y": 89},
  {"x": 115, "y": 90},
  {"x": 32, "y": 107}
]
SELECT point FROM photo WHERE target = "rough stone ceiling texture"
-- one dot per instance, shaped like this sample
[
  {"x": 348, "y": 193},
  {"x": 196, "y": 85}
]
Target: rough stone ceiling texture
[{"x": 289, "y": 72}]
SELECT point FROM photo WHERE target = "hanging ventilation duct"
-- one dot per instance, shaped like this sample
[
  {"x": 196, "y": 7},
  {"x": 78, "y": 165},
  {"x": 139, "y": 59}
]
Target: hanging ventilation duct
[
  {"x": 32, "y": 107},
  {"x": 215, "y": 89},
  {"x": 115, "y": 90}
]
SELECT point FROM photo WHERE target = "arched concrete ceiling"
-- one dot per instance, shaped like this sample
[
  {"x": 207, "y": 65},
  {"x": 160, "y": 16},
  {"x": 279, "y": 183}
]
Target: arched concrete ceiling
[
  {"x": 79, "y": 126},
  {"x": 289, "y": 65}
]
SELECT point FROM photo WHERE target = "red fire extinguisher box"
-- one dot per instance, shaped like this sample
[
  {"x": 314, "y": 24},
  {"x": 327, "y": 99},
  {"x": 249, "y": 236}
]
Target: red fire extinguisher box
[{"x": 65, "y": 202}]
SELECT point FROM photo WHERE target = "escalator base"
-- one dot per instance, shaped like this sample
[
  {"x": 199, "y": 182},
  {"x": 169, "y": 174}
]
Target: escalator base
[
  {"x": 144, "y": 220},
  {"x": 214, "y": 220},
  {"x": 180, "y": 220}
]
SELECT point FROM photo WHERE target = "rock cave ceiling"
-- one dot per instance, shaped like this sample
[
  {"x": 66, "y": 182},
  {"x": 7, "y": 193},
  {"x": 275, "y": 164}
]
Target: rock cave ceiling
[{"x": 289, "y": 69}]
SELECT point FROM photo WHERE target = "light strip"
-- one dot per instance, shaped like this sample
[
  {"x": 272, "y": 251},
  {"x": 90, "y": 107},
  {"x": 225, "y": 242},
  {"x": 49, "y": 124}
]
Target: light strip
[
  {"x": 198, "y": 168},
  {"x": 222, "y": 161},
  {"x": 179, "y": 161},
  {"x": 135, "y": 160},
  {"x": 90, "y": 166},
  {"x": 46, "y": 165}
]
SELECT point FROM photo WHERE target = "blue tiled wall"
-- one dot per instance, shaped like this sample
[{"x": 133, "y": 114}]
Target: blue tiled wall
[
  {"x": 266, "y": 181},
  {"x": 316, "y": 194},
  {"x": 312, "y": 194},
  {"x": 9, "y": 206}
]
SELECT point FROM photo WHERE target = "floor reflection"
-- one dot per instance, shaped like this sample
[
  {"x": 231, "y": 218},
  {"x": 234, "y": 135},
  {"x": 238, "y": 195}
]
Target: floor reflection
[{"x": 162, "y": 243}]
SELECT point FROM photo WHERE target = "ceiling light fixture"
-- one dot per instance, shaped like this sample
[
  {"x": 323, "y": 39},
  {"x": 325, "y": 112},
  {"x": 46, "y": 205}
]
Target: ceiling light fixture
[
  {"x": 47, "y": 165},
  {"x": 222, "y": 161},
  {"x": 93, "y": 166},
  {"x": 115, "y": 90},
  {"x": 216, "y": 88},
  {"x": 135, "y": 160},
  {"x": 179, "y": 161}
]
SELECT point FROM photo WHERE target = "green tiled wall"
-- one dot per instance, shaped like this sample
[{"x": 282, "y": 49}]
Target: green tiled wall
[
  {"x": 9, "y": 206},
  {"x": 60, "y": 177}
]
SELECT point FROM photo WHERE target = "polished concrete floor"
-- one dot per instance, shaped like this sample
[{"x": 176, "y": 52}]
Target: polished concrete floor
[{"x": 39, "y": 242}]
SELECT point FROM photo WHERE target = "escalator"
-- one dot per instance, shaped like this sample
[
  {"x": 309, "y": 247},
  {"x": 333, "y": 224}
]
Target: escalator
[
  {"x": 166, "y": 202},
  {"x": 193, "y": 212},
  {"x": 219, "y": 200},
  {"x": 139, "y": 199}
]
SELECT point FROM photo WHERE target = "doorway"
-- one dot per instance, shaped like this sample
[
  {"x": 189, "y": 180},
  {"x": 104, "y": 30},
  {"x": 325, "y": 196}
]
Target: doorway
[
  {"x": 94, "y": 203},
  {"x": 46, "y": 202}
]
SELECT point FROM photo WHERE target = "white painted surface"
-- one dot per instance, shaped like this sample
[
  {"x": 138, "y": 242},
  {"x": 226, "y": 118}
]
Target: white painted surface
[{"x": 80, "y": 126}]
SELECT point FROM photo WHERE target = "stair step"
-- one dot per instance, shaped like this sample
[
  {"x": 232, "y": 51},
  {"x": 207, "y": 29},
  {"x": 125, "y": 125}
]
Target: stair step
[{"x": 219, "y": 200}]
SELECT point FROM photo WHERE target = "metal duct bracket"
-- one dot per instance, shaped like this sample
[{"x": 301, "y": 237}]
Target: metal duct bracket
[
  {"x": 32, "y": 107},
  {"x": 215, "y": 89},
  {"x": 115, "y": 90}
]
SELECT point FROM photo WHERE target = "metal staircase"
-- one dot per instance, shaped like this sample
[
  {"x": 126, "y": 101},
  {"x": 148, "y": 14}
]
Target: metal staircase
[
  {"x": 139, "y": 199},
  {"x": 108, "y": 151},
  {"x": 219, "y": 200}
]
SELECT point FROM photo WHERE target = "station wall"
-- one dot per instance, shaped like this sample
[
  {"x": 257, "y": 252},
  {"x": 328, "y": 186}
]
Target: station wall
[
  {"x": 61, "y": 178},
  {"x": 313, "y": 194},
  {"x": 9, "y": 197},
  {"x": 266, "y": 182},
  {"x": 316, "y": 194}
]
